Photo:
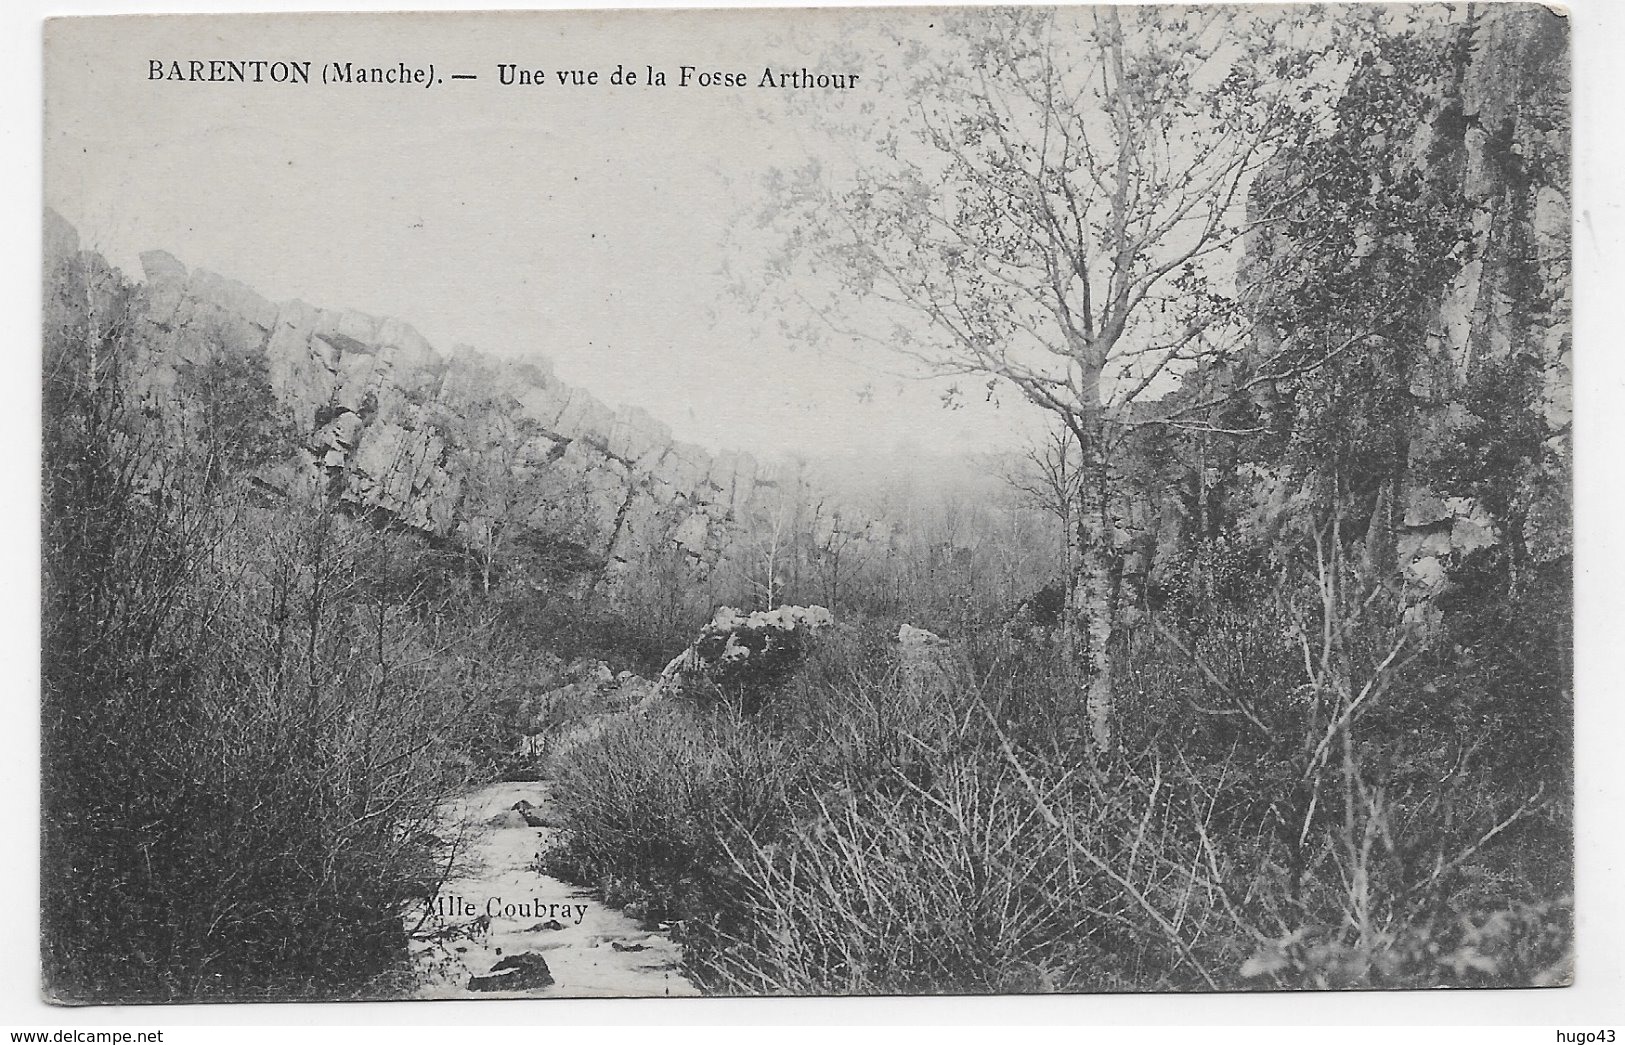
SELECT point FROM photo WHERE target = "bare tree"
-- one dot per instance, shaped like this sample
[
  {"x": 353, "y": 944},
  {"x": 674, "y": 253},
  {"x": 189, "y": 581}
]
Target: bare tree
[
  {"x": 833, "y": 538},
  {"x": 1048, "y": 478},
  {"x": 768, "y": 550},
  {"x": 1062, "y": 205}
]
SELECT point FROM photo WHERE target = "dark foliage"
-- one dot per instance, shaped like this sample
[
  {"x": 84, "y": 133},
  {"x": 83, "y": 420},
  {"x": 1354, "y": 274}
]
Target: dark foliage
[{"x": 231, "y": 768}]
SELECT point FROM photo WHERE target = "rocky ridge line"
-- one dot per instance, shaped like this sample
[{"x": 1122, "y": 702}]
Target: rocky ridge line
[{"x": 445, "y": 443}]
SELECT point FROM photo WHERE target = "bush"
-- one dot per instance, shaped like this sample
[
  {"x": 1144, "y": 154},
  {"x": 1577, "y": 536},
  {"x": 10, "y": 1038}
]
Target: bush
[
  {"x": 1273, "y": 816},
  {"x": 244, "y": 734},
  {"x": 652, "y": 797},
  {"x": 858, "y": 835}
]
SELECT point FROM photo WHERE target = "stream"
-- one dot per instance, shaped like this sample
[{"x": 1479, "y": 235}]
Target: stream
[{"x": 490, "y": 922}]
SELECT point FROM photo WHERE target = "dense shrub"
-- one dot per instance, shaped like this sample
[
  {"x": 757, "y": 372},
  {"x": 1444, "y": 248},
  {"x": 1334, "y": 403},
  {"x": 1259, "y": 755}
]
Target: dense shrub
[
  {"x": 651, "y": 798},
  {"x": 1273, "y": 816},
  {"x": 246, "y": 722}
]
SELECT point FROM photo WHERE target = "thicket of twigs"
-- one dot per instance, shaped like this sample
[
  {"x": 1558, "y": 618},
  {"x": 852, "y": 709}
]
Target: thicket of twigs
[
  {"x": 251, "y": 703},
  {"x": 1303, "y": 796}
]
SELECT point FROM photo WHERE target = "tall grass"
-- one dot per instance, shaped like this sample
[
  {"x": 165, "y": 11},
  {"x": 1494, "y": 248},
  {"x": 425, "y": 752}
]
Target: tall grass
[
  {"x": 1257, "y": 829},
  {"x": 248, "y": 714}
]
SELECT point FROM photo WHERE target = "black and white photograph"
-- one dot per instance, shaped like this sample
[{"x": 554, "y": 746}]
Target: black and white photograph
[{"x": 988, "y": 500}]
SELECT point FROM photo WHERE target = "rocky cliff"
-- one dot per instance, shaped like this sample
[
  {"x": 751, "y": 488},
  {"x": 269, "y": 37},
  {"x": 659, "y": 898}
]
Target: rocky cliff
[
  {"x": 1451, "y": 428},
  {"x": 484, "y": 451},
  {"x": 1506, "y": 317}
]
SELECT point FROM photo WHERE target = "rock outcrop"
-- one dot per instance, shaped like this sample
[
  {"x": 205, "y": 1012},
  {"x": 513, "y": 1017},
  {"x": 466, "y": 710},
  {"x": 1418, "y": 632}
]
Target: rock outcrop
[
  {"x": 1483, "y": 413},
  {"x": 750, "y": 649},
  {"x": 1510, "y": 305},
  {"x": 470, "y": 447}
]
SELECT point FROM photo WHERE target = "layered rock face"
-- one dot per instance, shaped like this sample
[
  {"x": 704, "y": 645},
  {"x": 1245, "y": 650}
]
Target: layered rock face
[
  {"x": 477, "y": 450},
  {"x": 1510, "y": 305},
  {"x": 1494, "y": 368}
]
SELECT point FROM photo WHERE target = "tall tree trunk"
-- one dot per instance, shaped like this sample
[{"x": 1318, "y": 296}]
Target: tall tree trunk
[{"x": 1094, "y": 600}]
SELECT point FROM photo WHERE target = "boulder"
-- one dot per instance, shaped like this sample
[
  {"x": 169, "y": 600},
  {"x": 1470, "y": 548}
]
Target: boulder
[
  {"x": 751, "y": 649},
  {"x": 530, "y": 814},
  {"x": 506, "y": 820},
  {"x": 909, "y": 635},
  {"x": 516, "y": 972}
]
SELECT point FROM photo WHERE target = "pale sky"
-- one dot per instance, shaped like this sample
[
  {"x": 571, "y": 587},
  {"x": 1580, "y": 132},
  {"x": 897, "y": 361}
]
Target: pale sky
[{"x": 586, "y": 224}]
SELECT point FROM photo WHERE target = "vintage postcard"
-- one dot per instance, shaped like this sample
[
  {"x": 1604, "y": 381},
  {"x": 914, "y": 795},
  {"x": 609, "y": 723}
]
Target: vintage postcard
[{"x": 817, "y": 502}]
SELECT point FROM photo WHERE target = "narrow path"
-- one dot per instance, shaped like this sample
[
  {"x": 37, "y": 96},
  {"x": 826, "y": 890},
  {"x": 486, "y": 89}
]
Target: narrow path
[{"x": 497, "y": 909}]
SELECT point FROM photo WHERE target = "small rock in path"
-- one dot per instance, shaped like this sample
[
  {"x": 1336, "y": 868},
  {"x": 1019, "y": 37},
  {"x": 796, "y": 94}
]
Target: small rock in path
[
  {"x": 531, "y": 817},
  {"x": 516, "y": 972}
]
